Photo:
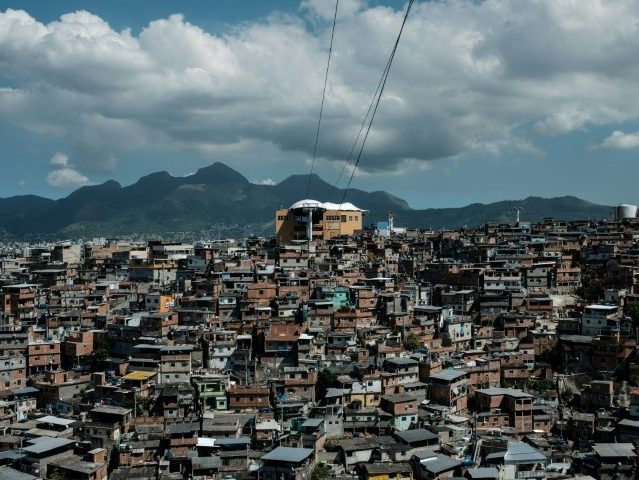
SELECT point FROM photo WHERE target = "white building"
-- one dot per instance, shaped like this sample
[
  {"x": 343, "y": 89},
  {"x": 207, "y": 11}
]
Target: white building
[{"x": 599, "y": 317}]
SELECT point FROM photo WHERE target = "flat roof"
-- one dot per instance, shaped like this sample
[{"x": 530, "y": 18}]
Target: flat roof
[
  {"x": 288, "y": 454},
  {"x": 427, "y": 308},
  {"x": 139, "y": 375},
  {"x": 437, "y": 463},
  {"x": 602, "y": 307},
  {"x": 313, "y": 422},
  {"x": 417, "y": 435},
  {"x": 21, "y": 285},
  {"x": 205, "y": 442},
  {"x": 483, "y": 472},
  {"x": 512, "y": 392},
  {"x": 221, "y": 441},
  {"x": 76, "y": 464},
  {"x": 177, "y": 348},
  {"x": 449, "y": 374},
  {"x": 8, "y": 473},
  {"x": 521, "y": 452},
  {"x": 45, "y": 444},
  {"x": 111, "y": 410},
  {"x": 614, "y": 450},
  {"x": 24, "y": 390},
  {"x": 382, "y": 468},
  {"x": 399, "y": 397},
  {"x": 54, "y": 420},
  {"x": 401, "y": 361}
]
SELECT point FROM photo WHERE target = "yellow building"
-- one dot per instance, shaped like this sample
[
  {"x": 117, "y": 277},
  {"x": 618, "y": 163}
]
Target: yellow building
[
  {"x": 387, "y": 471},
  {"x": 317, "y": 220}
]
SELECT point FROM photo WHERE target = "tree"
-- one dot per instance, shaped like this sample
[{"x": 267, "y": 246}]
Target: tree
[
  {"x": 633, "y": 312},
  {"x": 57, "y": 474},
  {"x": 325, "y": 380},
  {"x": 412, "y": 342},
  {"x": 320, "y": 472},
  {"x": 102, "y": 351}
]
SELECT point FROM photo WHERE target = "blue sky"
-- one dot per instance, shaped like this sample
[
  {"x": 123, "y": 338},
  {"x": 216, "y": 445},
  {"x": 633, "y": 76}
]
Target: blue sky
[{"x": 486, "y": 101}]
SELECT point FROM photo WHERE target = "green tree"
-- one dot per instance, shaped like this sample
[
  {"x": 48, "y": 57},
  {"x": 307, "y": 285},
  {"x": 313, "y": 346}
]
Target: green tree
[
  {"x": 633, "y": 312},
  {"x": 412, "y": 342},
  {"x": 320, "y": 472},
  {"x": 102, "y": 351},
  {"x": 56, "y": 474},
  {"x": 325, "y": 380}
]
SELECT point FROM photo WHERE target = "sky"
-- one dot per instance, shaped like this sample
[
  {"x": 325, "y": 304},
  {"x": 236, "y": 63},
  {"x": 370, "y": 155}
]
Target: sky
[{"x": 486, "y": 100}]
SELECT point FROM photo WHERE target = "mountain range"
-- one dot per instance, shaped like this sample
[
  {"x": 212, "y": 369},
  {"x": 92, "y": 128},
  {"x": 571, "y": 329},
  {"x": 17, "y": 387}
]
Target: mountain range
[{"x": 220, "y": 201}]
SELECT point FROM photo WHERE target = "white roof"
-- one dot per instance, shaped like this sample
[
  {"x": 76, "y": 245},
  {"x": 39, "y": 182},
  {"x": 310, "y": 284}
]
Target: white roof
[
  {"x": 55, "y": 420},
  {"x": 205, "y": 442},
  {"x": 267, "y": 425},
  {"x": 308, "y": 203},
  {"x": 602, "y": 307}
]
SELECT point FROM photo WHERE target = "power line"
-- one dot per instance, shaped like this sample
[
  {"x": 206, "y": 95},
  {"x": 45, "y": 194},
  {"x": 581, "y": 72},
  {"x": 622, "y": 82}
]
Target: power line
[
  {"x": 379, "y": 97},
  {"x": 359, "y": 133},
  {"x": 319, "y": 121}
]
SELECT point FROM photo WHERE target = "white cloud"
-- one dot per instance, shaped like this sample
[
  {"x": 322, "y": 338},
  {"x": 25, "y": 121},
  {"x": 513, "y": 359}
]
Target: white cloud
[
  {"x": 64, "y": 175},
  {"x": 325, "y": 9},
  {"x": 59, "y": 160},
  {"x": 66, "y": 178},
  {"x": 266, "y": 181},
  {"x": 621, "y": 141},
  {"x": 22, "y": 183},
  {"x": 468, "y": 77}
]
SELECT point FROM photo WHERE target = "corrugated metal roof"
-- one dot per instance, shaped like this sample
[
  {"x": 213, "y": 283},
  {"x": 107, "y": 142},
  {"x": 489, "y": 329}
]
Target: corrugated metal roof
[
  {"x": 439, "y": 463},
  {"x": 8, "y": 473},
  {"x": 50, "y": 419},
  {"x": 520, "y": 452},
  {"x": 111, "y": 410},
  {"x": 418, "y": 435},
  {"x": 288, "y": 455},
  {"x": 448, "y": 374},
  {"x": 614, "y": 450},
  {"x": 45, "y": 444}
]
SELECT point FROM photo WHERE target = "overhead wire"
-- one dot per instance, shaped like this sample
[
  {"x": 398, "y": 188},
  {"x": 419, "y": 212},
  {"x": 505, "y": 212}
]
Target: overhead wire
[
  {"x": 319, "y": 121},
  {"x": 384, "y": 78},
  {"x": 359, "y": 133}
]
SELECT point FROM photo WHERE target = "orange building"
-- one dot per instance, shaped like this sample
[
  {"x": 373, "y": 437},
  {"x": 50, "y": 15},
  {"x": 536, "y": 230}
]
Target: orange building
[{"x": 308, "y": 219}]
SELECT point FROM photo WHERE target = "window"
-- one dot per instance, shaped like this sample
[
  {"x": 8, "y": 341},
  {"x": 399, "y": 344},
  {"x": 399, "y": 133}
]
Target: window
[{"x": 343, "y": 218}]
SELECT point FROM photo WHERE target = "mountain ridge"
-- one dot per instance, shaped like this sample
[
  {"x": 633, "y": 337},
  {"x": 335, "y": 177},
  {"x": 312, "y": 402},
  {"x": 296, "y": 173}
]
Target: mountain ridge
[{"x": 219, "y": 200}]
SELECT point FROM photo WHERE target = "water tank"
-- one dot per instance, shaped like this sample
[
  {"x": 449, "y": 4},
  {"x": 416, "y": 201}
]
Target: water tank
[{"x": 625, "y": 211}]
